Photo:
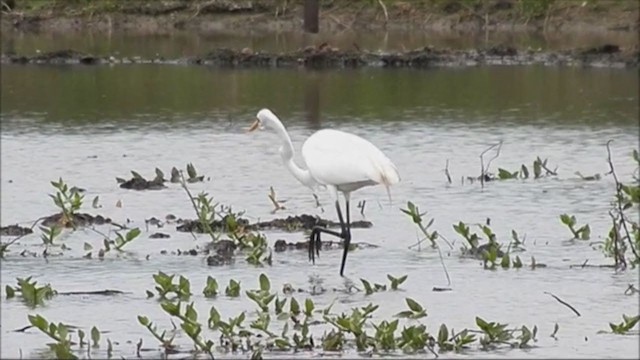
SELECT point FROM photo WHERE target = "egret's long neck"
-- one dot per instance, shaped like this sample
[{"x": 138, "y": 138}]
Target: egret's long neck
[{"x": 287, "y": 152}]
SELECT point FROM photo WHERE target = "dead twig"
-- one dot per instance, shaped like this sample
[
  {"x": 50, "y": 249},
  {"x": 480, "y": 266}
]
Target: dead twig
[
  {"x": 484, "y": 171},
  {"x": 617, "y": 256},
  {"x": 361, "y": 205},
  {"x": 564, "y": 303},
  {"x": 446, "y": 171},
  {"x": 619, "y": 196}
]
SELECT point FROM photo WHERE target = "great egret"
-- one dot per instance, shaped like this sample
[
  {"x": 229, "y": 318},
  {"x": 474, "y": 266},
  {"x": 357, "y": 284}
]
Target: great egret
[{"x": 339, "y": 161}]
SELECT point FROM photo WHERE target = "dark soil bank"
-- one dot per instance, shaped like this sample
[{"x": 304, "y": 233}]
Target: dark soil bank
[{"x": 325, "y": 56}]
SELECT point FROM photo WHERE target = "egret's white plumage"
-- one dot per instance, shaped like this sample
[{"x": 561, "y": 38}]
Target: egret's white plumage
[
  {"x": 346, "y": 161},
  {"x": 338, "y": 160}
]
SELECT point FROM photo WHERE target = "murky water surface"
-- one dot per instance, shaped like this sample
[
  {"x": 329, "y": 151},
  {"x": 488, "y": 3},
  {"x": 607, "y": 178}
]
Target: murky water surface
[{"x": 91, "y": 124}]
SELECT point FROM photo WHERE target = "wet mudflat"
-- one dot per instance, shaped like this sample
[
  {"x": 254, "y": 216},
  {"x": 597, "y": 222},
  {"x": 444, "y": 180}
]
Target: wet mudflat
[{"x": 90, "y": 125}]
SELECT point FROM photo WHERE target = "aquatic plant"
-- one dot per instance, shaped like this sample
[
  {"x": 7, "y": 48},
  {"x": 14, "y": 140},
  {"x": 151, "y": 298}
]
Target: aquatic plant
[
  {"x": 32, "y": 294},
  {"x": 49, "y": 234},
  {"x": 165, "y": 286},
  {"x": 165, "y": 342},
  {"x": 394, "y": 283},
  {"x": 68, "y": 200},
  {"x": 416, "y": 311},
  {"x": 583, "y": 232},
  {"x": 190, "y": 325},
  {"x": 233, "y": 289},
  {"x": 624, "y": 233},
  {"x": 416, "y": 216},
  {"x": 263, "y": 296},
  {"x": 58, "y": 332},
  {"x": 211, "y": 288},
  {"x": 628, "y": 322},
  {"x": 192, "y": 173}
]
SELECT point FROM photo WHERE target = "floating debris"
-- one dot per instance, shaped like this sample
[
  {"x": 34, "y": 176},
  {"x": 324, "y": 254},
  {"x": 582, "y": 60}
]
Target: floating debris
[
  {"x": 159, "y": 236},
  {"x": 281, "y": 245}
]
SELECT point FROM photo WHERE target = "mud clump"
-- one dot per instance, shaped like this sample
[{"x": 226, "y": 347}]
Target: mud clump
[
  {"x": 290, "y": 224},
  {"x": 223, "y": 252},
  {"x": 305, "y": 222},
  {"x": 66, "y": 56},
  {"x": 15, "y": 230},
  {"x": 281, "y": 245},
  {"x": 326, "y": 56},
  {"x": 143, "y": 184},
  {"x": 78, "y": 219},
  {"x": 159, "y": 236},
  {"x": 216, "y": 225}
]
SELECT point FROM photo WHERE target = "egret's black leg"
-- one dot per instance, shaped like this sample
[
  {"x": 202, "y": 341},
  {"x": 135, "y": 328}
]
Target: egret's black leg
[
  {"x": 346, "y": 235},
  {"x": 315, "y": 243}
]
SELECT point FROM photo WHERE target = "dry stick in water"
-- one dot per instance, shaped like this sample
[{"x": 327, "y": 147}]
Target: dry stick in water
[
  {"x": 446, "y": 171},
  {"x": 619, "y": 199},
  {"x": 483, "y": 171},
  {"x": 564, "y": 303}
]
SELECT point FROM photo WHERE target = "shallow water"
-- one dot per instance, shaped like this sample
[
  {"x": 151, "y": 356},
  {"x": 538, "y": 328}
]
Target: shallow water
[{"x": 91, "y": 124}]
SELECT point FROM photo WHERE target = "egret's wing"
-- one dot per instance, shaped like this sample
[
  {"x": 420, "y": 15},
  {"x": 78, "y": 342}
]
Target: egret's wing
[{"x": 338, "y": 158}]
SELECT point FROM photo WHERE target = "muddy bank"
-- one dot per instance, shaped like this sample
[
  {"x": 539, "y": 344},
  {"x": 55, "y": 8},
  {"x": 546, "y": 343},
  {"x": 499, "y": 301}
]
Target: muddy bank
[
  {"x": 290, "y": 224},
  {"x": 325, "y": 56},
  {"x": 209, "y": 16}
]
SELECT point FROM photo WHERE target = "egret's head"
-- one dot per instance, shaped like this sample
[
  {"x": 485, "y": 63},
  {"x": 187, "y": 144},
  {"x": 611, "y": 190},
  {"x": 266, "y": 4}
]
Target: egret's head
[{"x": 264, "y": 119}]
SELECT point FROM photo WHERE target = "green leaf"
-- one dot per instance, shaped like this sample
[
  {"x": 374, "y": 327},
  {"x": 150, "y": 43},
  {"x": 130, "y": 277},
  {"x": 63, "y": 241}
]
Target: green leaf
[
  {"x": 136, "y": 175},
  {"x": 143, "y": 320},
  {"x": 159, "y": 174},
  {"x": 95, "y": 201},
  {"x": 10, "y": 291},
  {"x": 191, "y": 171},
  {"x": 294, "y": 307},
  {"x": 537, "y": 168},
  {"x": 211, "y": 288},
  {"x": 443, "y": 334},
  {"x": 95, "y": 336},
  {"x": 308, "y": 307},
  {"x": 483, "y": 325},
  {"x": 39, "y": 322},
  {"x": 132, "y": 234},
  {"x": 367, "y": 287},
  {"x": 171, "y": 308},
  {"x": 505, "y": 261},
  {"x": 265, "y": 285},
  {"x": 524, "y": 171},
  {"x": 585, "y": 232},
  {"x": 413, "y": 305},
  {"x": 565, "y": 219},
  {"x": 504, "y": 174},
  {"x": 191, "y": 313},
  {"x": 404, "y": 314}
]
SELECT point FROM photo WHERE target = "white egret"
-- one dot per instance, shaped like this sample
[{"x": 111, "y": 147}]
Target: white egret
[{"x": 340, "y": 161}]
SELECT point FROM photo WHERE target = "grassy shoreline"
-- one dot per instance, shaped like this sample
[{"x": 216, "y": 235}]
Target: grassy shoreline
[{"x": 154, "y": 16}]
